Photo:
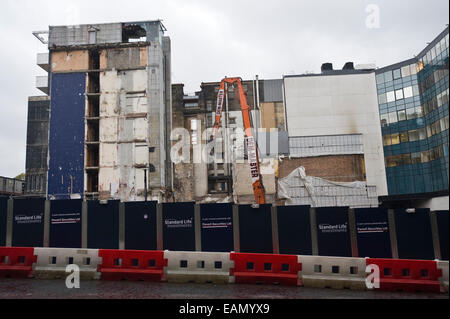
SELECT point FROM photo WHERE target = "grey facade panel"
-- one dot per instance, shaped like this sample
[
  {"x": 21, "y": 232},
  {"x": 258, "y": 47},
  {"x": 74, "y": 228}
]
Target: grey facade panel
[
  {"x": 273, "y": 90},
  {"x": 309, "y": 146},
  {"x": 79, "y": 35}
]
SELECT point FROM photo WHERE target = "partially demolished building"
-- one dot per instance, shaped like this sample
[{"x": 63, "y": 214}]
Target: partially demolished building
[{"x": 109, "y": 93}]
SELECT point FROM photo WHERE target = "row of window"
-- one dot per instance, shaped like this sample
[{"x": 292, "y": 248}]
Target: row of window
[
  {"x": 436, "y": 102},
  {"x": 434, "y": 78},
  {"x": 399, "y": 94},
  {"x": 434, "y": 52},
  {"x": 415, "y": 112},
  {"x": 403, "y": 72},
  {"x": 417, "y": 135},
  {"x": 417, "y": 157}
]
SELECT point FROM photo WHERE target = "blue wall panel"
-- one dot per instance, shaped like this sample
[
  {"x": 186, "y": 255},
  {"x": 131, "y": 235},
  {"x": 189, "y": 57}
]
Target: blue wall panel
[
  {"x": 3, "y": 216},
  {"x": 255, "y": 229},
  {"x": 140, "y": 225},
  {"x": 103, "y": 225},
  {"x": 217, "y": 227},
  {"x": 294, "y": 230},
  {"x": 65, "y": 223},
  {"x": 28, "y": 223},
  {"x": 178, "y": 226},
  {"x": 333, "y": 233},
  {"x": 66, "y": 141},
  {"x": 372, "y": 231},
  {"x": 414, "y": 238},
  {"x": 443, "y": 225}
]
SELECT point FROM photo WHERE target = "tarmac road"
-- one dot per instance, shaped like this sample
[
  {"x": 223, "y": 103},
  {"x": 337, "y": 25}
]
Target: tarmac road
[{"x": 56, "y": 289}]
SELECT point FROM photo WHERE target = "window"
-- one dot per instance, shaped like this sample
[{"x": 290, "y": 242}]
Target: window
[
  {"x": 392, "y": 161},
  {"x": 415, "y": 158},
  {"x": 390, "y": 96},
  {"x": 406, "y": 159},
  {"x": 395, "y": 138},
  {"x": 392, "y": 117},
  {"x": 413, "y": 69},
  {"x": 416, "y": 90},
  {"x": 422, "y": 133},
  {"x": 382, "y": 98},
  {"x": 401, "y": 115},
  {"x": 413, "y": 135},
  {"x": 387, "y": 140},
  {"x": 424, "y": 157},
  {"x": 411, "y": 114},
  {"x": 419, "y": 111},
  {"x": 406, "y": 71},
  {"x": 388, "y": 76},
  {"x": 380, "y": 78},
  {"x": 408, "y": 92},
  {"x": 384, "y": 119},
  {"x": 397, "y": 74},
  {"x": 403, "y": 137},
  {"x": 399, "y": 94}
]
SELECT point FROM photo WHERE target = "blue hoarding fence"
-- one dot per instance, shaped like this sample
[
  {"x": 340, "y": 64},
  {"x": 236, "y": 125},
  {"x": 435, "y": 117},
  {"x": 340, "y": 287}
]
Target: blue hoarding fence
[{"x": 332, "y": 231}]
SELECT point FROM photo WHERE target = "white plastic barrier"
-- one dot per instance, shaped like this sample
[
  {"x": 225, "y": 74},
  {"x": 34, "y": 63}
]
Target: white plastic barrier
[
  {"x": 443, "y": 265},
  {"x": 199, "y": 267},
  {"x": 52, "y": 262},
  {"x": 333, "y": 272}
]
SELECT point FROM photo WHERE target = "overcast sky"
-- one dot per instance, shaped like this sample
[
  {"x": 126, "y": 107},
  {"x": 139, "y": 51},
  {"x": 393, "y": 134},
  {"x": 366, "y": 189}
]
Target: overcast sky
[{"x": 213, "y": 39}]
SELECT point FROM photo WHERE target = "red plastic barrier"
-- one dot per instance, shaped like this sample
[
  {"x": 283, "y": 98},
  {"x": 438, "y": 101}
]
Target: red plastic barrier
[
  {"x": 17, "y": 262},
  {"x": 266, "y": 269},
  {"x": 132, "y": 265},
  {"x": 407, "y": 275}
]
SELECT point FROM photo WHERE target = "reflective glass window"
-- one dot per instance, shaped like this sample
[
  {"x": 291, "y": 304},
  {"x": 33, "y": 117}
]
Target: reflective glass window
[
  {"x": 395, "y": 138},
  {"x": 397, "y": 74},
  {"x": 413, "y": 135},
  {"x": 392, "y": 117},
  {"x": 415, "y": 158},
  {"x": 406, "y": 71},
  {"x": 408, "y": 92},
  {"x": 390, "y": 96},
  {"x": 399, "y": 94},
  {"x": 404, "y": 137},
  {"x": 410, "y": 114},
  {"x": 388, "y": 76},
  {"x": 384, "y": 119},
  {"x": 402, "y": 115},
  {"x": 406, "y": 159},
  {"x": 413, "y": 69},
  {"x": 387, "y": 140},
  {"x": 382, "y": 98},
  {"x": 422, "y": 133},
  {"x": 380, "y": 78},
  {"x": 424, "y": 157}
]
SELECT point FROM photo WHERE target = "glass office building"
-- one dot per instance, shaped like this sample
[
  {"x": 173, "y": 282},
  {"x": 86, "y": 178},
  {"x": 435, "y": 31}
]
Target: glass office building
[{"x": 413, "y": 100}]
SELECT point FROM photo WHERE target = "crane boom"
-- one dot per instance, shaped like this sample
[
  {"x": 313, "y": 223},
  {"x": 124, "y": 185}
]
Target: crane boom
[{"x": 252, "y": 150}]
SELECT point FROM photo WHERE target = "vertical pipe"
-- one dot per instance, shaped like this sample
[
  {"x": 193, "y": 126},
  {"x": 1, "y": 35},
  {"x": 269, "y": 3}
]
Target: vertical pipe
[
  {"x": 9, "y": 222},
  {"x": 145, "y": 183},
  {"x": 393, "y": 233},
  {"x": 159, "y": 227},
  {"x": 236, "y": 237},
  {"x": 121, "y": 225},
  {"x": 353, "y": 234},
  {"x": 198, "y": 229},
  {"x": 84, "y": 224},
  {"x": 314, "y": 241},
  {"x": 275, "y": 239},
  {"x": 46, "y": 242},
  {"x": 435, "y": 235}
]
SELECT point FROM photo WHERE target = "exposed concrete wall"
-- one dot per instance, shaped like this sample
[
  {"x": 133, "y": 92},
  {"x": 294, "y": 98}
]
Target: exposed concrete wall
[
  {"x": 68, "y": 61},
  {"x": 126, "y": 58},
  {"x": 123, "y": 134},
  {"x": 156, "y": 111},
  {"x": 243, "y": 182},
  {"x": 339, "y": 104}
]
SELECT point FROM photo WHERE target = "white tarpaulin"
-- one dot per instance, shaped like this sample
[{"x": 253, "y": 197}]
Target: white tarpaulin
[{"x": 299, "y": 189}]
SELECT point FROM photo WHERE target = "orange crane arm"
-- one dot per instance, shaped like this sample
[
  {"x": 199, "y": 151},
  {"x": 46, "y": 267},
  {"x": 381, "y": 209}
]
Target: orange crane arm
[{"x": 253, "y": 158}]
